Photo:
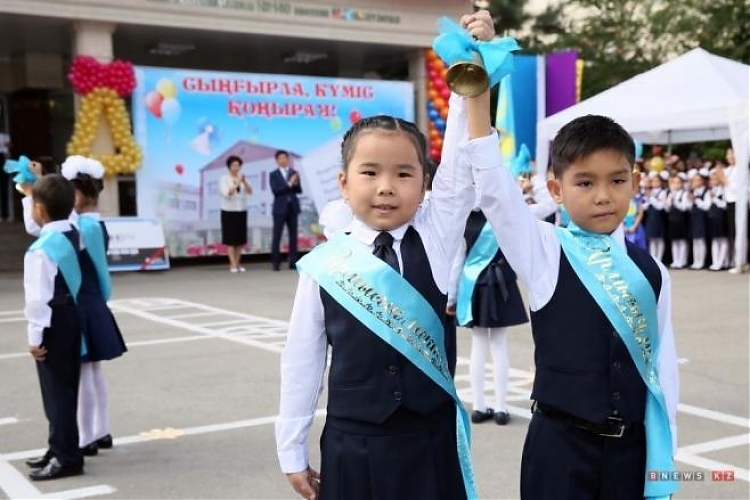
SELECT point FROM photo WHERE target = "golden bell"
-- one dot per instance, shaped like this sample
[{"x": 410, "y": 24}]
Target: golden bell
[{"x": 468, "y": 78}]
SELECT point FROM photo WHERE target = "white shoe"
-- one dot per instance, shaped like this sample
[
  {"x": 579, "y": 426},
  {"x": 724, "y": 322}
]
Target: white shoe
[
  {"x": 241, "y": 269},
  {"x": 233, "y": 270},
  {"x": 735, "y": 270}
]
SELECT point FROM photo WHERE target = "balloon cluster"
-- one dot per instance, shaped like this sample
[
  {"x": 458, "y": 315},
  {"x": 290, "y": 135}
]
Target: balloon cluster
[
  {"x": 438, "y": 95},
  {"x": 102, "y": 87},
  {"x": 86, "y": 74},
  {"x": 163, "y": 103}
]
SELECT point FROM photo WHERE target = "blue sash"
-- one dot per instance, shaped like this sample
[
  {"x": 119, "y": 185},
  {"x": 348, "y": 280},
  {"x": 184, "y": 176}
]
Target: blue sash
[
  {"x": 93, "y": 237},
  {"x": 479, "y": 257},
  {"x": 383, "y": 301},
  {"x": 627, "y": 299},
  {"x": 60, "y": 250}
]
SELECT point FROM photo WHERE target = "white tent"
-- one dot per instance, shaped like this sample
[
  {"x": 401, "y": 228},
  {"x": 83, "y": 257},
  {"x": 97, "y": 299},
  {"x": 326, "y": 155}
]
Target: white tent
[{"x": 695, "y": 97}]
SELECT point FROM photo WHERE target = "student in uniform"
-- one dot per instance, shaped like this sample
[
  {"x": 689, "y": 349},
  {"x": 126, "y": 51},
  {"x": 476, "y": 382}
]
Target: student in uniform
[
  {"x": 717, "y": 223},
  {"x": 102, "y": 336},
  {"x": 394, "y": 427},
  {"x": 606, "y": 382},
  {"x": 52, "y": 279},
  {"x": 700, "y": 197},
  {"x": 655, "y": 211},
  {"x": 484, "y": 295},
  {"x": 678, "y": 207}
]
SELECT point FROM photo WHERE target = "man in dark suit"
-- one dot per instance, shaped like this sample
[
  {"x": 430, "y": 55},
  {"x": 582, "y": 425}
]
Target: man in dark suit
[{"x": 286, "y": 186}]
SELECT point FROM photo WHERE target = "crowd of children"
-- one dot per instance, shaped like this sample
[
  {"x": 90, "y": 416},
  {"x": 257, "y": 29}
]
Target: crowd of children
[{"x": 70, "y": 328}]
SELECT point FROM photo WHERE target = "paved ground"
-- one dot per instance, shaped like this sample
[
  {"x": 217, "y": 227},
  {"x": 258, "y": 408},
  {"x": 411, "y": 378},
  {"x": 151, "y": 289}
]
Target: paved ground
[{"x": 194, "y": 400}]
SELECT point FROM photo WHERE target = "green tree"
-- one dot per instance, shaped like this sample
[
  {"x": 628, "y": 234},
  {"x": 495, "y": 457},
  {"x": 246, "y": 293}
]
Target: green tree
[
  {"x": 618, "y": 39},
  {"x": 508, "y": 15},
  {"x": 723, "y": 27}
]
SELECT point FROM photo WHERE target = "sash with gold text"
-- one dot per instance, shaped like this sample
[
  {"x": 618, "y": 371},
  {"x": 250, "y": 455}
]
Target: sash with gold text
[
  {"x": 628, "y": 301},
  {"x": 391, "y": 308}
]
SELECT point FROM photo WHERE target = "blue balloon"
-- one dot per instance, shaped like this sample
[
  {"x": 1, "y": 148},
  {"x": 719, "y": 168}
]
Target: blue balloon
[
  {"x": 170, "y": 111},
  {"x": 440, "y": 123},
  {"x": 434, "y": 115}
]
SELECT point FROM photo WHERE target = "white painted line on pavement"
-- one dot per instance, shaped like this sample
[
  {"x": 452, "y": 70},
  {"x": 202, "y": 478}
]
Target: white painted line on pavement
[
  {"x": 14, "y": 483},
  {"x": 8, "y": 420},
  {"x": 712, "y": 465},
  {"x": 88, "y": 491},
  {"x": 16, "y": 312},
  {"x": 12, "y": 320},
  {"x": 717, "y": 444},
  {"x": 142, "y": 438},
  {"x": 140, "y": 343},
  {"x": 714, "y": 415}
]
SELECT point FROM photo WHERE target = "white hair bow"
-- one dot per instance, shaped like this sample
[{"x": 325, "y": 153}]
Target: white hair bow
[{"x": 77, "y": 164}]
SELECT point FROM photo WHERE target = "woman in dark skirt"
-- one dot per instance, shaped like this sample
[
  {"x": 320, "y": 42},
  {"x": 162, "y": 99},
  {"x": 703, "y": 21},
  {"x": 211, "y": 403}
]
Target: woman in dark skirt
[
  {"x": 487, "y": 306},
  {"x": 235, "y": 190}
]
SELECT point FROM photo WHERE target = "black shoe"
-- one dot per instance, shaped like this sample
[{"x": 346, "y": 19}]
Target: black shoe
[
  {"x": 90, "y": 449},
  {"x": 54, "y": 470},
  {"x": 478, "y": 417},
  {"x": 105, "y": 442},
  {"x": 276, "y": 268},
  {"x": 502, "y": 418},
  {"x": 39, "y": 462}
]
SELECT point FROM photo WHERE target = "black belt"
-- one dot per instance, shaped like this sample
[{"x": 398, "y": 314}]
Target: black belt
[{"x": 611, "y": 427}]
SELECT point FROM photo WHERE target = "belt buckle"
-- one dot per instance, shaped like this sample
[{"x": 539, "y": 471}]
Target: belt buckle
[{"x": 621, "y": 428}]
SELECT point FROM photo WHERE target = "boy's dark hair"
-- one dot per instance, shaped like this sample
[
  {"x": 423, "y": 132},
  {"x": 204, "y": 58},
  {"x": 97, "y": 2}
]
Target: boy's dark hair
[
  {"x": 88, "y": 186},
  {"x": 279, "y": 153},
  {"x": 585, "y": 136},
  {"x": 233, "y": 158},
  {"x": 57, "y": 195},
  {"x": 49, "y": 167},
  {"x": 384, "y": 122}
]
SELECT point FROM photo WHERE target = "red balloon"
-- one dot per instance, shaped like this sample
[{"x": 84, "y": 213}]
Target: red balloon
[
  {"x": 354, "y": 116},
  {"x": 435, "y": 152},
  {"x": 179, "y": 169},
  {"x": 446, "y": 93},
  {"x": 153, "y": 103}
]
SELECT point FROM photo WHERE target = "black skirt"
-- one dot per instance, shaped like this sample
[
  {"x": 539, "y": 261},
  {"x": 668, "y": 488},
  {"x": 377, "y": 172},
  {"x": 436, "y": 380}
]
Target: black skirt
[
  {"x": 496, "y": 301},
  {"x": 234, "y": 228},
  {"x": 678, "y": 224},
  {"x": 408, "y": 457},
  {"x": 654, "y": 223},
  {"x": 717, "y": 222}
]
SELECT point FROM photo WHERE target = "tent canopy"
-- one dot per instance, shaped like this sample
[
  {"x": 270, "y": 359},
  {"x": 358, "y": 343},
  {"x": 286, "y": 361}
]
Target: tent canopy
[{"x": 697, "y": 96}]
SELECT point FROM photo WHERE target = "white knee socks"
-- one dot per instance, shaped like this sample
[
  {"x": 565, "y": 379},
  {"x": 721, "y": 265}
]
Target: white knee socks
[
  {"x": 494, "y": 340},
  {"x": 93, "y": 404}
]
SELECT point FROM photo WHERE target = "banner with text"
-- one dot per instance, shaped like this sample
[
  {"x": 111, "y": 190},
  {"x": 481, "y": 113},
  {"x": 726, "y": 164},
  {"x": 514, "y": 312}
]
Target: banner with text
[{"x": 188, "y": 122}]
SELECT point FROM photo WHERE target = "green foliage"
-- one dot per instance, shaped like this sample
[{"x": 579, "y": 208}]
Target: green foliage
[
  {"x": 618, "y": 39},
  {"x": 508, "y": 15}
]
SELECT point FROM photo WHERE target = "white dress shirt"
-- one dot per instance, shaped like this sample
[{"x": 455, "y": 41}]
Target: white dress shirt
[
  {"x": 440, "y": 225},
  {"x": 231, "y": 199},
  {"x": 532, "y": 249},
  {"x": 39, "y": 286}
]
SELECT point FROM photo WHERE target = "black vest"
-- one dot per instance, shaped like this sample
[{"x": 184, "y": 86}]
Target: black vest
[
  {"x": 65, "y": 320},
  {"x": 582, "y": 366},
  {"x": 368, "y": 379},
  {"x": 498, "y": 270}
]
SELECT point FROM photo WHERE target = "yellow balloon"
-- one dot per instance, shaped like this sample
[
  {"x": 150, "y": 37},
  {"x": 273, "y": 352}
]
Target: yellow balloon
[{"x": 166, "y": 88}]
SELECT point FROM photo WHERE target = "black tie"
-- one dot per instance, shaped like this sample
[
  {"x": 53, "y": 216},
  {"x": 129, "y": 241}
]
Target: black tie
[{"x": 384, "y": 250}]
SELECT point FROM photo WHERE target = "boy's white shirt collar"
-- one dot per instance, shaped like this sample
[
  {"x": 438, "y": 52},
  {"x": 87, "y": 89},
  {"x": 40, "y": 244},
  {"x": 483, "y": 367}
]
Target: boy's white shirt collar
[
  {"x": 57, "y": 225},
  {"x": 367, "y": 235}
]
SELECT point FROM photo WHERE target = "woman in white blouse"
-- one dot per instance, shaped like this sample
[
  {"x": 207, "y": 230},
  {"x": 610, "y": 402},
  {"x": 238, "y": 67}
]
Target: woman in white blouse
[{"x": 234, "y": 192}]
